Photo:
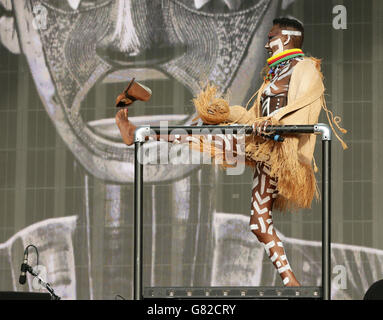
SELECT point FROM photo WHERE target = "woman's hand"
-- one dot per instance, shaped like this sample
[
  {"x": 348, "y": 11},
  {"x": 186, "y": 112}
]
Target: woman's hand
[{"x": 260, "y": 126}]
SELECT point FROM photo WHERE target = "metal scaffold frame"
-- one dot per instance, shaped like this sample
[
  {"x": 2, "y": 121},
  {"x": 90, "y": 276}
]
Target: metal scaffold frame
[{"x": 143, "y": 132}]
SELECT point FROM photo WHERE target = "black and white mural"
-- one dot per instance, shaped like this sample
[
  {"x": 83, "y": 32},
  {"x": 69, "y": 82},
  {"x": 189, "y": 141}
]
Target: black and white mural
[{"x": 67, "y": 179}]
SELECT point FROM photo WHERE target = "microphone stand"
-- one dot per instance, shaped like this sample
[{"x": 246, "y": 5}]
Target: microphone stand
[{"x": 46, "y": 285}]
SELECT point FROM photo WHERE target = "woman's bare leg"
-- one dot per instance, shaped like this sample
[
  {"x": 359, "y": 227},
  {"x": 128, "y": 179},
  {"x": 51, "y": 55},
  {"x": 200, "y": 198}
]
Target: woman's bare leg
[{"x": 261, "y": 223}]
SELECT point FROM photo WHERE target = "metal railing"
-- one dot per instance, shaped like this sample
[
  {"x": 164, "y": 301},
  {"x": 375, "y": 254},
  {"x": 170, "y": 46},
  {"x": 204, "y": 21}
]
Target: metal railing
[{"x": 143, "y": 132}]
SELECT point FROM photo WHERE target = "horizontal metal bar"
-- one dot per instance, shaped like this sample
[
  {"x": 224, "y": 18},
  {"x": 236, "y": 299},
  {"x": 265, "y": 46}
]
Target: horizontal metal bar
[
  {"x": 236, "y": 128},
  {"x": 144, "y": 131},
  {"x": 233, "y": 292}
]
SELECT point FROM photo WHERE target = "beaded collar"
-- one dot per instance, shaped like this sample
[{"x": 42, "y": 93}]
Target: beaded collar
[
  {"x": 283, "y": 56},
  {"x": 281, "y": 59}
]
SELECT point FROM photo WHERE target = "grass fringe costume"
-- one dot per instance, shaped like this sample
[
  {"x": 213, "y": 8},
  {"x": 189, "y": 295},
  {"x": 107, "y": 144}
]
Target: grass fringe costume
[{"x": 291, "y": 162}]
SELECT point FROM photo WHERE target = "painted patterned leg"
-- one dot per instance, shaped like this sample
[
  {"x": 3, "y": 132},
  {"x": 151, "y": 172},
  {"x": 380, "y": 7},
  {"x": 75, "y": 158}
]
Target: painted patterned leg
[{"x": 261, "y": 223}]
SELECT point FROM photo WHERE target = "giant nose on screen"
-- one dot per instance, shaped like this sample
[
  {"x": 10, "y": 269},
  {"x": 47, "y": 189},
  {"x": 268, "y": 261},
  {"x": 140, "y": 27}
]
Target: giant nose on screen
[{"x": 138, "y": 36}]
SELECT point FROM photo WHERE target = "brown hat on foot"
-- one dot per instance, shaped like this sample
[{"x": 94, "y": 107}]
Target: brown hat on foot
[{"x": 134, "y": 91}]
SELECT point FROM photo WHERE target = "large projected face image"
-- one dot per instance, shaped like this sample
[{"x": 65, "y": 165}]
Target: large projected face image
[
  {"x": 84, "y": 43},
  {"x": 74, "y": 46},
  {"x": 81, "y": 55}
]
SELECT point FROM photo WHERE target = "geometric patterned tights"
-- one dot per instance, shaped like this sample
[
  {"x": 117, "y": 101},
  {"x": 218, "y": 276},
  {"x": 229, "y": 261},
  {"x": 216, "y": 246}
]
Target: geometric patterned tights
[{"x": 261, "y": 222}]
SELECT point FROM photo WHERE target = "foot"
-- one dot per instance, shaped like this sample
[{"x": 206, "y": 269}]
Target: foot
[
  {"x": 126, "y": 127},
  {"x": 134, "y": 91},
  {"x": 293, "y": 282}
]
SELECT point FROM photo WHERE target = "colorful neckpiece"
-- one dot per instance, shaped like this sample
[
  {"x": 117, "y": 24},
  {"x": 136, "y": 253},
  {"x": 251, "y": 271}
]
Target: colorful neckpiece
[{"x": 283, "y": 56}]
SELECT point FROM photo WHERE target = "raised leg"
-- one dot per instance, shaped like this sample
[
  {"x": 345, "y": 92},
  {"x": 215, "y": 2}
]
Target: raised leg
[{"x": 261, "y": 223}]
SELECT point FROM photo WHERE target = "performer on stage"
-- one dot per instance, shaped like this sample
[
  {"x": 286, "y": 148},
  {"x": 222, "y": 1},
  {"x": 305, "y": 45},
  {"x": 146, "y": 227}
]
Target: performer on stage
[{"x": 292, "y": 93}]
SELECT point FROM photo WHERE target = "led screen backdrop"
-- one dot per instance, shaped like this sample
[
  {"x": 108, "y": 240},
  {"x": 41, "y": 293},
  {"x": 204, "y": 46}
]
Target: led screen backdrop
[{"x": 66, "y": 178}]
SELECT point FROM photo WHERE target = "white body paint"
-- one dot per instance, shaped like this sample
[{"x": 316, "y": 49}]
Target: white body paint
[
  {"x": 292, "y": 33},
  {"x": 261, "y": 223},
  {"x": 277, "y": 43}
]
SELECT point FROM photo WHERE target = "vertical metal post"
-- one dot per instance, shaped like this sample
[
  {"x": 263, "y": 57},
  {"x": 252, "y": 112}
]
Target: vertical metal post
[
  {"x": 138, "y": 213},
  {"x": 326, "y": 219}
]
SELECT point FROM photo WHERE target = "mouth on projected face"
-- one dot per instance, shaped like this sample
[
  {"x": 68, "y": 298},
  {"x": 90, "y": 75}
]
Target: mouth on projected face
[
  {"x": 78, "y": 88},
  {"x": 101, "y": 120},
  {"x": 162, "y": 69}
]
